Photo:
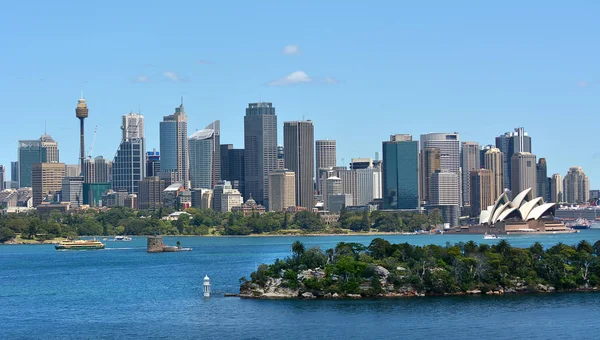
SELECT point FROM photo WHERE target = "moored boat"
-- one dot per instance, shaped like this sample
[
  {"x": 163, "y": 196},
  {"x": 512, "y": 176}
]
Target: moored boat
[
  {"x": 580, "y": 223},
  {"x": 122, "y": 239},
  {"x": 79, "y": 245},
  {"x": 490, "y": 237}
]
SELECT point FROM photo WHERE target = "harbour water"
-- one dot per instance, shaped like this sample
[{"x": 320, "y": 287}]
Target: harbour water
[{"x": 124, "y": 292}]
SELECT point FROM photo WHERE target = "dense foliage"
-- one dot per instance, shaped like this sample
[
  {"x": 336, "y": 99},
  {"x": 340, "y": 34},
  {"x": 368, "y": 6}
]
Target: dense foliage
[
  {"x": 352, "y": 268},
  {"x": 124, "y": 221}
]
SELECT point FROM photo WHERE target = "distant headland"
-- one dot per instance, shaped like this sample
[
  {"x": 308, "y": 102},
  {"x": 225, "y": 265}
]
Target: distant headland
[{"x": 385, "y": 270}]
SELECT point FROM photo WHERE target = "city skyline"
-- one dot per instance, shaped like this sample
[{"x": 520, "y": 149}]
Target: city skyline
[{"x": 423, "y": 62}]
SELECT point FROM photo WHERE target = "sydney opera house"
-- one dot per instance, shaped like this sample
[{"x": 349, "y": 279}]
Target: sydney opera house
[{"x": 522, "y": 214}]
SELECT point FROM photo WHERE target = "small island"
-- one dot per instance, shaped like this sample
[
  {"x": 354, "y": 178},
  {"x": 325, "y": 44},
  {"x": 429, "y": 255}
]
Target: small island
[{"x": 385, "y": 270}]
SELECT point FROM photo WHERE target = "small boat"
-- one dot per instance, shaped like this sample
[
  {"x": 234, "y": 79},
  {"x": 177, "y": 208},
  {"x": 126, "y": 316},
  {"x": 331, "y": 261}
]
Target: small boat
[
  {"x": 122, "y": 239},
  {"x": 79, "y": 245},
  {"x": 490, "y": 237},
  {"x": 578, "y": 224}
]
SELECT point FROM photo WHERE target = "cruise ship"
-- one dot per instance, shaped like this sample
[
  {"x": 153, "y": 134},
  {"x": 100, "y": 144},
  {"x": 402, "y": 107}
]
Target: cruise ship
[{"x": 79, "y": 245}]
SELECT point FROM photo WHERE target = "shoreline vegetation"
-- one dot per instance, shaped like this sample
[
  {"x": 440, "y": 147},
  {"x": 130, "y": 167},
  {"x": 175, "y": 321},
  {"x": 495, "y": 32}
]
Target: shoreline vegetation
[
  {"x": 385, "y": 270},
  {"x": 35, "y": 228}
]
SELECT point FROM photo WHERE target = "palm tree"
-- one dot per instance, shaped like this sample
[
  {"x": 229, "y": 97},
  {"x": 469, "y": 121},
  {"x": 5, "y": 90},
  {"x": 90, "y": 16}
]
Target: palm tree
[{"x": 298, "y": 248}]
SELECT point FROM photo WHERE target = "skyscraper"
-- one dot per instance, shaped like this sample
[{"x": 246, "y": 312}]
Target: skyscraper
[
  {"x": 174, "y": 145},
  {"x": 543, "y": 189},
  {"x": 523, "y": 173},
  {"x": 152, "y": 163},
  {"x": 72, "y": 191},
  {"x": 216, "y": 147},
  {"x": 482, "y": 152},
  {"x": 400, "y": 173},
  {"x": 556, "y": 188},
  {"x": 89, "y": 171},
  {"x": 232, "y": 166},
  {"x": 224, "y": 154},
  {"x": 43, "y": 150},
  {"x": 129, "y": 165},
  {"x": 46, "y": 180},
  {"x": 151, "y": 193},
  {"x": 282, "y": 190},
  {"x": 202, "y": 155},
  {"x": 14, "y": 172},
  {"x": 494, "y": 161},
  {"x": 81, "y": 112},
  {"x": 280, "y": 158},
  {"x": 482, "y": 186},
  {"x": 510, "y": 143},
  {"x": 576, "y": 186},
  {"x": 325, "y": 157},
  {"x": 260, "y": 150},
  {"x": 449, "y": 145},
  {"x": 469, "y": 160},
  {"x": 2, "y": 177},
  {"x": 299, "y": 146},
  {"x": 430, "y": 163},
  {"x": 102, "y": 167},
  {"x": 444, "y": 196}
]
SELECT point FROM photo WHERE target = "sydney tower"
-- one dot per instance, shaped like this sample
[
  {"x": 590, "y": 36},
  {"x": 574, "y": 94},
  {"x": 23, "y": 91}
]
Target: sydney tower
[{"x": 81, "y": 112}]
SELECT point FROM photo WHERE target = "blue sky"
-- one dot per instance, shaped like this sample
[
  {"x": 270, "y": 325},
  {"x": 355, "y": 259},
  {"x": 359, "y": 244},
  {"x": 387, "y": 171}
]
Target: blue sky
[{"x": 360, "y": 70}]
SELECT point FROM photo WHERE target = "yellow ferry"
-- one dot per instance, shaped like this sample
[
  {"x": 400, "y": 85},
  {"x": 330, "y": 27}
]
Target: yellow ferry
[{"x": 79, "y": 245}]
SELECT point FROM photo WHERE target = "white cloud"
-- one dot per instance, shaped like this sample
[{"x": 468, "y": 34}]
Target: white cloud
[
  {"x": 140, "y": 78},
  {"x": 297, "y": 77},
  {"x": 291, "y": 49},
  {"x": 172, "y": 76}
]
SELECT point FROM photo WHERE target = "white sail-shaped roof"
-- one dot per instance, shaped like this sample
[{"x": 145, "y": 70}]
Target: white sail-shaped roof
[
  {"x": 527, "y": 207},
  {"x": 518, "y": 200},
  {"x": 539, "y": 211}
]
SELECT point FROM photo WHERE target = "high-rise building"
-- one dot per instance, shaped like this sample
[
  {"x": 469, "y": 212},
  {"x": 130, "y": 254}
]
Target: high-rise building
[
  {"x": 482, "y": 186},
  {"x": 216, "y": 139},
  {"x": 218, "y": 191},
  {"x": 81, "y": 112},
  {"x": 224, "y": 153},
  {"x": 282, "y": 190},
  {"x": 232, "y": 166},
  {"x": 333, "y": 187},
  {"x": 43, "y": 150},
  {"x": 2, "y": 177},
  {"x": 401, "y": 173},
  {"x": 14, "y": 172},
  {"x": 325, "y": 152},
  {"x": 511, "y": 143},
  {"x": 349, "y": 182},
  {"x": 174, "y": 145},
  {"x": 576, "y": 186},
  {"x": 46, "y": 180},
  {"x": 543, "y": 188},
  {"x": 365, "y": 192},
  {"x": 523, "y": 173},
  {"x": 449, "y": 145},
  {"x": 129, "y": 165},
  {"x": 72, "y": 170},
  {"x": 280, "y": 158},
  {"x": 260, "y": 150},
  {"x": 202, "y": 155},
  {"x": 430, "y": 163},
  {"x": 444, "y": 196},
  {"x": 152, "y": 163},
  {"x": 361, "y": 163},
  {"x": 482, "y": 152},
  {"x": 299, "y": 151},
  {"x": 72, "y": 191},
  {"x": 150, "y": 195},
  {"x": 469, "y": 160},
  {"x": 494, "y": 161},
  {"x": 89, "y": 171},
  {"x": 556, "y": 188},
  {"x": 231, "y": 198},
  {"x": 102, "y": 167}
]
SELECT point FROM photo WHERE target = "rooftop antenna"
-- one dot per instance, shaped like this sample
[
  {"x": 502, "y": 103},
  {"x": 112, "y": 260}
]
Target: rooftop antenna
[
  {"x": 181, "y": 100},
  {"x": 45, "y": 128},
  {"x": 81, "y": 93}
]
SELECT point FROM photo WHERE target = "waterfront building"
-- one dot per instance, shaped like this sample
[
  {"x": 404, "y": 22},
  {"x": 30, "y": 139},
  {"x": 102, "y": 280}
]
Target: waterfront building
[
  {"x": 152, "y": 163},
  {"x": 72, "y": 191},
  {"x": 469, "y": 161},
  {"x": 129, "y": 165},
  {"x": 494, "y": 161},
  {"x": 46, "y": 180},
  {"x": 430, "y": 163},
  {"x": 523, "y": 173},
  {"x": 282, "y": 190},
  {"x": 260, "y": 150},
  {"x": 299, "y": 157},
  {"x": 444, "y": 196},
  {"x": 509, "y": 144},
  {"x": 150, "y": 195},
  {"x": 482, "y": 190},
  {"x": 401, "y": 173},
  {"x": 325, "y": 152},
  {"x": 202, "y": 156},
  {"x": 556, "y": 188},
  {"x": 174, "y": 145},
  {"x": 542, "y": 183},
  {"x": 576, "y": 186}
]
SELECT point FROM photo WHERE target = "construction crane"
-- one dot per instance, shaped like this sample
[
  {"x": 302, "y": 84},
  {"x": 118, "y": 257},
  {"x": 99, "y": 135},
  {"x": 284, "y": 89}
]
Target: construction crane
[{"x": 92, "y": 144}]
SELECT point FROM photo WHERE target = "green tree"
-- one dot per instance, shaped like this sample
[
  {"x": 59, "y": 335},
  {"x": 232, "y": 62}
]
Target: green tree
[
  {"x": 6, "y": 234},
  {"x": 298, "y": 249}
]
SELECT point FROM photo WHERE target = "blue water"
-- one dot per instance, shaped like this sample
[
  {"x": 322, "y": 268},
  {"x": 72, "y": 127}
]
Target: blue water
[{"x": 123, "y": 292}]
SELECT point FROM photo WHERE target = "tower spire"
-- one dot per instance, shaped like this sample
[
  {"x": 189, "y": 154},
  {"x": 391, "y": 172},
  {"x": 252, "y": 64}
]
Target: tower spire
[
  {"x": 81, "y": 93},
  {"x": 181, "y": 100}
]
